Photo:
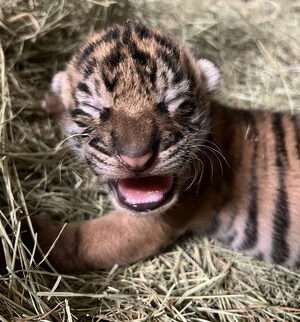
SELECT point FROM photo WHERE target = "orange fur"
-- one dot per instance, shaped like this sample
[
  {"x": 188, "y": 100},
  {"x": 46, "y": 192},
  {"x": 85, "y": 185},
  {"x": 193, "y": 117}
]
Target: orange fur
[{"x": 239, "y": 181}]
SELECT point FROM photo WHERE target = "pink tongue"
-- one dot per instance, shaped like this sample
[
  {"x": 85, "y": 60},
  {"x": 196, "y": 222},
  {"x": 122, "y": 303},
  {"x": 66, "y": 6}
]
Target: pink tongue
[{"x": 145, "y": 190}]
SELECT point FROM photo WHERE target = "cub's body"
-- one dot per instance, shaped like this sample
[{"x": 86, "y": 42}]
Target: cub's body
[
  {"x": 253, "y": 200},
  {"x": 138, "y": 111}
]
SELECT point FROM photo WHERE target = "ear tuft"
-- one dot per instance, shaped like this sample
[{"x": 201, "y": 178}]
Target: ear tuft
[
  {"x": 52, "y": 102},
  {"x": 211, "y": 73},
  {"x": 57, "y": 81}
]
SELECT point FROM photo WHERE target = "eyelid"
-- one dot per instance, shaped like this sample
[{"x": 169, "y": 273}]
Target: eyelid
[
  {"x": 92, "y": 106},
  {"x": 174, "y": 103},
  {"x": 90, "y": 109},
  {"x": 98, "y": 109}
]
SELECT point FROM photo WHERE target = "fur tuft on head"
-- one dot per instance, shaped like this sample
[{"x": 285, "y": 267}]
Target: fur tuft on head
[
  {"x": 52, "y": 102},
  {"x": 211, "y": 73}
]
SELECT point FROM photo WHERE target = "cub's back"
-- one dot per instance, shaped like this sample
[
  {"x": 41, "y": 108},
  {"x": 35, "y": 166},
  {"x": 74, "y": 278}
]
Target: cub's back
[{"x": 255, "y": 200}]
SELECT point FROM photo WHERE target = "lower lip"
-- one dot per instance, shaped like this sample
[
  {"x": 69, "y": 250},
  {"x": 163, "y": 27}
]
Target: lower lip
[{"x": 143, "y": 207}]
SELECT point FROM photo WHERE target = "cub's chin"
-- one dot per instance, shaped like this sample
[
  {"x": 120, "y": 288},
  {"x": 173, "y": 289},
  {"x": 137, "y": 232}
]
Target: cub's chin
[{"x": 144, "y": 195}]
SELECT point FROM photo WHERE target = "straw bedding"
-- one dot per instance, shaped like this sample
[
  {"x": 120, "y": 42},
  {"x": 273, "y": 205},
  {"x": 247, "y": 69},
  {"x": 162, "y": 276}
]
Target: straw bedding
[{"x": 257, "y": 46}]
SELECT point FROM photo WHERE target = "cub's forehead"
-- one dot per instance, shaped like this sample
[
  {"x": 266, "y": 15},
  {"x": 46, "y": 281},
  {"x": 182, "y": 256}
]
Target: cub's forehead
[
  {"x": 131, "y": 41},
  {"x": 134, "y": 57},
  {"x": 132, "y": 67}
]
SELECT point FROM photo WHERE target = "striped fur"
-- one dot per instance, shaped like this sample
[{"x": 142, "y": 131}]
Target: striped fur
[{"x": 236, "y": 174}]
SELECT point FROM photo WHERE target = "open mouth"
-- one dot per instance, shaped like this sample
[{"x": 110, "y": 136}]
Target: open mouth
[{"x": 143, "y": 194}]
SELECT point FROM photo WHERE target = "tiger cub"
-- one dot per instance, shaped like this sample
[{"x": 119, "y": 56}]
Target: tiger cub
[{"x": 136, "y": 107}]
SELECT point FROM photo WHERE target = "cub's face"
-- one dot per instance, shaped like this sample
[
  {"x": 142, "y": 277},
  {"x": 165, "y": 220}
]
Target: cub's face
[{"x": 134, "y": 105}]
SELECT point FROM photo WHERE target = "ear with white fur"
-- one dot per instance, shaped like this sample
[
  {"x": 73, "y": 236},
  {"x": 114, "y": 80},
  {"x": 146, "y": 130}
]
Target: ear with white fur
[
  {"x": 52, "y": 102},
  {"x": 211, "y": 73}
]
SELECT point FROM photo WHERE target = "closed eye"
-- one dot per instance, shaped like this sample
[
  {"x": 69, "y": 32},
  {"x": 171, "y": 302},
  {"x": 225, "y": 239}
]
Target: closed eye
[
  {"x": 102, "y": 112},
  {"x": 174, "y": 103},
  {"x": 89, "y": 105}
]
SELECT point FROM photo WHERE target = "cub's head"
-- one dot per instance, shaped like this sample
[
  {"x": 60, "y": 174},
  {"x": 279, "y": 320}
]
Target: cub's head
[{"x": 135, "y": 106}]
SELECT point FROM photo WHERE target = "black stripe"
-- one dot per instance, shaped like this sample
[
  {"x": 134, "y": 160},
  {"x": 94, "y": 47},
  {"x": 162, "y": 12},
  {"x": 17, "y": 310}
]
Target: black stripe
[
  {"x": 165, "y": 42},
  {"x": 114, "y": 59},
  {"x": 281, "y": 153},
  {"x": 140, "y": 70},
  {"x": 90, "y": 66},
  {"x": 140, "y": 56},
  {"x": 143, "y": 73},
  {"x": 84, "y": 88},
  {"x": 90, "y": 162},
  {"x": 173, "y": 138},
  {"x": 280, "y": 248},
  {"x": 99, "y": 160},
  {"x": 89, "y": 49},
  {"x": 165, "y": 78},
  {"x": 111, "y": 34},
  {"x": 113, "y": 139},
  {"x": 153, "y": 73},
  {"x": 167, "y": 59},
  {"x": 127, "y": 34},
  {"x": 78, "y": 112},
  {"x": 143, "y": 32},
  {"x": 178, "y": 77},
  {"x": 88, "y": 130},
  {"x": 296, "y": 121},
  {"x": 76, "y": 103},
  {"x": 250, "y": 232},
  {"x": 80, "y": 124},
  {"x": 110, "y": 85},
  {"x": 280, "y": 251},
  {"x": 92, "y": 166},
  {"x": 95, "y": 144},
  {"x": 105, "y": 114},
  {"x": 162, "y": 108},
  {"x": 89, "y": 105},
  {"x": 178, "y": 136},
  {"x": 189, "y": 127}
]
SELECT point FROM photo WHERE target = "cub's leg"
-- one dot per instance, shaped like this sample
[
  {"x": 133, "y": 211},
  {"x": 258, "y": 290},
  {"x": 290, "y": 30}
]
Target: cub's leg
[{"x": 113, "y": 239}]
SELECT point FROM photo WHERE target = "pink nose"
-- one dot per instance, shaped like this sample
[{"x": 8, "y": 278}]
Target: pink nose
[{"x": 136, "y": 163}]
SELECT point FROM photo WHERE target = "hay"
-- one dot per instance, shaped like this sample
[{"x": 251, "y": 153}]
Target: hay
[{"x": 256, "y": 44}]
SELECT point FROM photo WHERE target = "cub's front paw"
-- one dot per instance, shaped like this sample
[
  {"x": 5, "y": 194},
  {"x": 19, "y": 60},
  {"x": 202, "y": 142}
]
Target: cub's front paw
[{"x": 47, "y": 231}]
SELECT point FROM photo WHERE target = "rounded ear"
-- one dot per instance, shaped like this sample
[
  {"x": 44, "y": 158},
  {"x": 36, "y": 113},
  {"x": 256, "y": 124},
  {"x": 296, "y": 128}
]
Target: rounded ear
[
  {"x": 57, "y": 82},
  {"x": 211, "y": 74},
  {"x": 52, "y": 102}
]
